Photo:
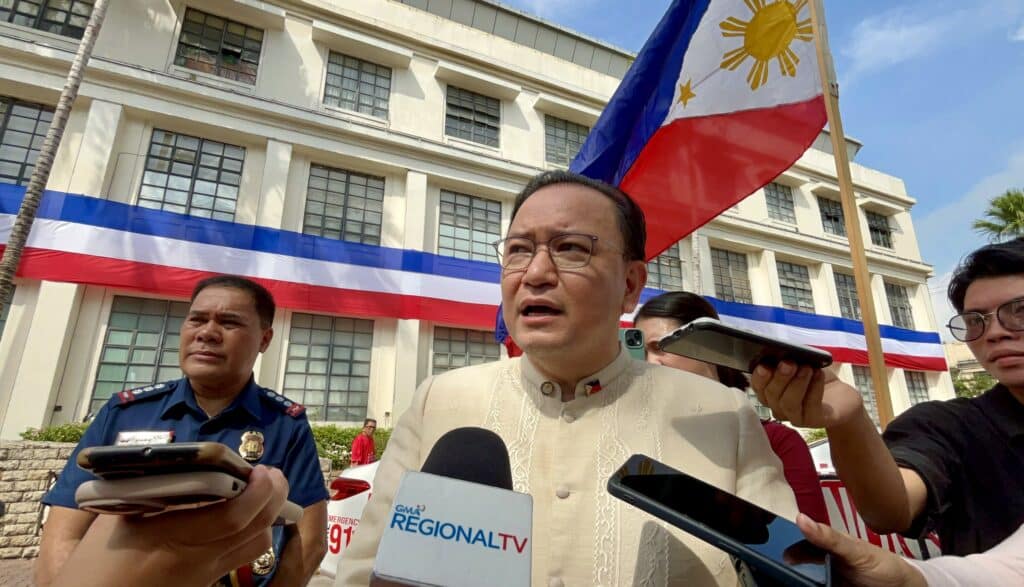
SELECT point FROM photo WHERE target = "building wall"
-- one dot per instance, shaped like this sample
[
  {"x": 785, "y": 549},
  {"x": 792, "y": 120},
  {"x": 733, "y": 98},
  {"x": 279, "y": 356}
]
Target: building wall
[{"x": 53, "y": 341}]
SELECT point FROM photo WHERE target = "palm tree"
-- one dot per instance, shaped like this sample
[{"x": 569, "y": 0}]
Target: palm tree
[
  {"x": 41, "y": 172},
  {"x": 1005, "y": 217}
]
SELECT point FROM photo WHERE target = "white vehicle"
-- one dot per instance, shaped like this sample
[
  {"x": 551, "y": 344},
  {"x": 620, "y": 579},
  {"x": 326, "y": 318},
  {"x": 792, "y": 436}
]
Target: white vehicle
[{"x": 349, "y": 493}]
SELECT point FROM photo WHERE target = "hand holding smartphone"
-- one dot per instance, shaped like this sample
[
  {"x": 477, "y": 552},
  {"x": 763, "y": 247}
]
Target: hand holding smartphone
[
  {"x": 152, "y": 479},
  {"x": 711, "y": 341},
  {"x": 772, "y": 548}
]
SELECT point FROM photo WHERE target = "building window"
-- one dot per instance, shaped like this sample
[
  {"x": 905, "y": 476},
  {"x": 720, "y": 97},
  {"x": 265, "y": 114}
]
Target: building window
[
  {"x": 849, "y": 303},
  {"x": 6, "y": 310},
  {"x": 468, "y": 226},
  {"x": 899, "y": 306},
  {"x": 729, "y": 270},
  {"x": 917, "y": 386},
  {"x": 795, "y": 286},
  {"x": 23, "y": 127},
  {"x": 62, "y": 17},
  {"x": 220, "y": 46},
  {"x": 455, "y": 347},
  {"x": 344, "y": 205},
  {"x": 878, "y": 226},
  {"x": 140, "y": 347},
  {"x": 832, "y": 217},
  {"x": 354, "y": 84},
  {"x": 189, "y": 175},
  {"x": 328, "y": 368},
  {"x": 862, "y": 379},
  {"x": 780, "y": 202},
  {"x": 666, "y": 270},
  {"x": 473, "y": 117},
  {"x": 562, "y": 139}
]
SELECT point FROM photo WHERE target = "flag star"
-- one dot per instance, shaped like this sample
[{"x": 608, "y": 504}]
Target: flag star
[{"x": 686, "y": 92}]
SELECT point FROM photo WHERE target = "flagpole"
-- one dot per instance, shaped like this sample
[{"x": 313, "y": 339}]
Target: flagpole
[{"x": 862, "y": 277}]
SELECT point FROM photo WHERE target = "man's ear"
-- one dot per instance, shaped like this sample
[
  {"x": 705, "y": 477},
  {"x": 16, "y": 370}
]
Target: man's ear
[
  {"x": 636, "y": 279},
  {"x": 268, "y": 335}
]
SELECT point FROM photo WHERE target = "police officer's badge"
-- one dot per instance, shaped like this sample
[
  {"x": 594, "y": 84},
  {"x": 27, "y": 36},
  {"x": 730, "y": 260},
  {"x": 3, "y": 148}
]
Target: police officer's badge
[
  {"x": 265, "y": 563},
  {"x": 251, "y": 448}
]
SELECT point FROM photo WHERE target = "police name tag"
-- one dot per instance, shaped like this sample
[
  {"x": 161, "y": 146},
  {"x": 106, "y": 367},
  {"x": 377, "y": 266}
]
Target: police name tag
[{"x": 144, "y": 437}]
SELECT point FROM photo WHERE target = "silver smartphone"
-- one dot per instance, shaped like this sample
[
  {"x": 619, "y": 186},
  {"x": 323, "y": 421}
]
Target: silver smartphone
[{"x": 711, "y": 341}]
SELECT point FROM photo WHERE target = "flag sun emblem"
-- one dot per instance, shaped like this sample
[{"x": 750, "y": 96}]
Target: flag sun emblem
[{"x": 768, "y": 35}]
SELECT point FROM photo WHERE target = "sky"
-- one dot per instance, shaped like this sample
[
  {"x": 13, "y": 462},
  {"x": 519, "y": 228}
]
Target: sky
[{"x": 933, "y": 88}]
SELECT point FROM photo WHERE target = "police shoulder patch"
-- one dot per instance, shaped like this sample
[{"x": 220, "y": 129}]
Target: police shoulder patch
[
  {"x": 130, "y": 396},
  {"x": 286, "y": 405}
]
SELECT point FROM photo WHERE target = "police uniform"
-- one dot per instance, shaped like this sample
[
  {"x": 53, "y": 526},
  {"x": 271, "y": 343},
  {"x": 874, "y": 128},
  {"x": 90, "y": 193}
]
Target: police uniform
[{"x": 264, "y": 426}]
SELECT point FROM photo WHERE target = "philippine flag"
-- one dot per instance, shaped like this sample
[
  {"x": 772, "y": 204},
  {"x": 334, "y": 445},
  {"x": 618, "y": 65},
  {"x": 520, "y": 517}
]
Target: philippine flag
[{"x": 723, "y": 97}]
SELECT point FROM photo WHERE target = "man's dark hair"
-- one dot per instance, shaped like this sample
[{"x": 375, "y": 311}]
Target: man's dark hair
[
  {"x": 262, "y": 299},
  {"x": 687, "y": 307},
  {"x": 368, "y": 420},
  {"x": 629, "y": 216},
  {"x": 995, "y": 260}
]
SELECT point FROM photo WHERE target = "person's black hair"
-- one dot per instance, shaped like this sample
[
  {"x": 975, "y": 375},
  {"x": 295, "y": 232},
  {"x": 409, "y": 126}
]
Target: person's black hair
[
  {"x": 261, "y": 298},
  {"x": 995, "y": 260},
  {"x": 629, "y": 216},
  {"x": 687, "y": 307},
  {"x": 368, "y": 420}
]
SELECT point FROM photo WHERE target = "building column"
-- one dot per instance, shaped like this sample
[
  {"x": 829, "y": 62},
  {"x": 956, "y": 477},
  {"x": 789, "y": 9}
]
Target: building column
[
  {"x": 764, "y": 279},
  {"x": 703, "y": 278},
  {"x": 882, "y": 312},
  {"x": 88, "y": 175},
  {"x": 270, "y": 213},
  {"x": 826, "y": 298},
  {"x": 42, "y": 367},
  {"x": 409, "y": 365}
]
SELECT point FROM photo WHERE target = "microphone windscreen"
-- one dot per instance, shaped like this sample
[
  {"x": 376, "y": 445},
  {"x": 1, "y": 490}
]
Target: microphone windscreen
[{"x": 471, "y": 454}]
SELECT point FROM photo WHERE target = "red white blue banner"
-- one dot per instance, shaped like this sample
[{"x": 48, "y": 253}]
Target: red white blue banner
[{"x": 88, "y": 240}]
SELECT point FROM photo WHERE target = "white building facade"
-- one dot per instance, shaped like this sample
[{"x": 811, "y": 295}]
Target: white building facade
[{"x": 408, "y": 125}]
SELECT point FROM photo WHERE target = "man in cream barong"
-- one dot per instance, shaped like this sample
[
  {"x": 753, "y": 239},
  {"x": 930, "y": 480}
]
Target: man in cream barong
[{"x": 574, "y": 407}]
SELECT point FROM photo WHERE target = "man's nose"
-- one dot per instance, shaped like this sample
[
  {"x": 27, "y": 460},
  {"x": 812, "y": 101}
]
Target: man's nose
[{"x": 541, "y": 268}]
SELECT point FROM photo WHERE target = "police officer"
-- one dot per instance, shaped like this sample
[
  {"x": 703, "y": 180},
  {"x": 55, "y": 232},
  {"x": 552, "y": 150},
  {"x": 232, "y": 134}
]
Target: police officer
[{"x": 228, "y": 325}]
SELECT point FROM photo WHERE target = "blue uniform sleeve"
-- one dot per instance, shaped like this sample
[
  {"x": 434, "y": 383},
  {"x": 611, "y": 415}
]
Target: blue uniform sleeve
[
  {"x": 63, "y": 492},
  {"x": 302, "y": 467}
]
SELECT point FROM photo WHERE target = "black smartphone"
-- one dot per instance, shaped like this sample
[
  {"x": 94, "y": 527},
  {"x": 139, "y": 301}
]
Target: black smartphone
[
  {"x": 711, "y": 341},
  {"x": 120, "y": 462},
  {"x": 633, "y": 340},
  {"x": 772, "y": 547}
]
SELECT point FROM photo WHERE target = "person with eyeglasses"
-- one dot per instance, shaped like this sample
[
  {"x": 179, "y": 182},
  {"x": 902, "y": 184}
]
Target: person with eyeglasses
[
  {"x": 957, "y": 466},
  {"x": 575, "y": 405}
]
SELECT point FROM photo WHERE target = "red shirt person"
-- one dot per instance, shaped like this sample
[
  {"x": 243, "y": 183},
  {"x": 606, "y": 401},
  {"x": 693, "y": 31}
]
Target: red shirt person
[{"x": 363, "y": 450}]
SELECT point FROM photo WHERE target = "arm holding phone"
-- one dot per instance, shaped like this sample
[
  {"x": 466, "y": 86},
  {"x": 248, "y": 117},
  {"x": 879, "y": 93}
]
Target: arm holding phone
[
  {"x": 888, "y": 497},
  {"x": 193, "y": 547}
]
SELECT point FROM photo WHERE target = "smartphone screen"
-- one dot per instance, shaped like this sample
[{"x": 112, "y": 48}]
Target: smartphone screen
[{"x": 735, "y": 525}]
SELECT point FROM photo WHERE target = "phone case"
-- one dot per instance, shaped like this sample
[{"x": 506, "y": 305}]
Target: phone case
[
  {"x": 120, "y": 462},
  {"x": 711, "y": 341},
  {"x": 154, "y": 494},
  {"x": 775, "y": 572}
]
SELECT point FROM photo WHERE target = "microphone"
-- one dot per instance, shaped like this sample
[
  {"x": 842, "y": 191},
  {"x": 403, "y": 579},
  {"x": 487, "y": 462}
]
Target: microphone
[{"x": 457, "y": 522}]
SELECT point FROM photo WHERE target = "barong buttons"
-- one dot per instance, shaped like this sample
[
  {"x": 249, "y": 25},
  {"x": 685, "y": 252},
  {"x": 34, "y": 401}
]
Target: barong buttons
[
  {"x": 562, "y": 492},
  {"x": 555, "y": 582},
  {"x": 569, "y": 418},
  {"x": 547, "y": 388}
]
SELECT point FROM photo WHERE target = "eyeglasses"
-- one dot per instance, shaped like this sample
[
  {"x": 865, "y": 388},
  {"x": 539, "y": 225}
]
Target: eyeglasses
[
  {"x": 567, "y": 251},
  {"x": 972, "y": 325}
]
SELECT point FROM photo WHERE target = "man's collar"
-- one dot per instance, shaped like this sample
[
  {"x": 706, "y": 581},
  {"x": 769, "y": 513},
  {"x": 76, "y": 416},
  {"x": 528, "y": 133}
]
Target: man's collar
[
  {"x": 247, "y": 400},
  {"x": 586, "y": 386},
  {"x": 1004, "y": 409}
]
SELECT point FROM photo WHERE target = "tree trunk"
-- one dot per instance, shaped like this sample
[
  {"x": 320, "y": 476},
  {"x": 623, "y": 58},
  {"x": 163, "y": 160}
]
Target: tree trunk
[{"x": 41, "y": 172}]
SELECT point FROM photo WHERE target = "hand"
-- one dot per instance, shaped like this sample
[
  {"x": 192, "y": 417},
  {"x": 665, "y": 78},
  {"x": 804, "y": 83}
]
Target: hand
[
  {"x": 858, "y": 562},
  {"x": 188, "y": 547},
  {"x": 807, "y": 397}
]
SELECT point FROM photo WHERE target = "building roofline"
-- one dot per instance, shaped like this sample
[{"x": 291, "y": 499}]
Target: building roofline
[{"x": 561, "y": 28}]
